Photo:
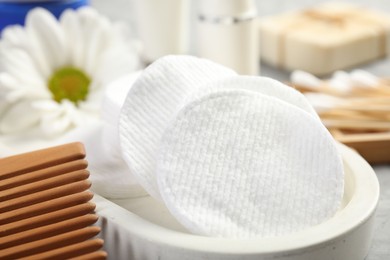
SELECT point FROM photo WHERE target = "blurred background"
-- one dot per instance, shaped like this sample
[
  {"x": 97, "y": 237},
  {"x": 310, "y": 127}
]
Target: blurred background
[
  {"x": 110, "y": 8},
  {"x": 125, "y": 10},
  {"x": 342, "y": 66}
]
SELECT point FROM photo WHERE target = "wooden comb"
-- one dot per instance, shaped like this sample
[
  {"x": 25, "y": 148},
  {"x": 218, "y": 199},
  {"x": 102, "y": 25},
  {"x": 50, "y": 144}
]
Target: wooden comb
[{"x": 45, "y": 208}]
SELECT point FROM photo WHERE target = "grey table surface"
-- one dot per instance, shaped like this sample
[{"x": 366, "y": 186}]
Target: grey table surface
[{"x": 380, "y": 249}]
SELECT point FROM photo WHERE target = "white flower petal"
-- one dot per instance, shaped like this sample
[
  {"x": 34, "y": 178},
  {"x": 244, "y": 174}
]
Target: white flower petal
[
  {"x": 45, "y": 105},
  {"x": 3, "y": 107},
  {"x": 14, "y": 96},
  {"x": 96, "y": 45},
  {"x": 89, "y": 20},
  {"x": 23, "y": 87},
  {"x": 59, "y": 120},
  {"x": 78, "y": 27},
  {"x": 93, "y": 103},
  {"x": 20, "y": 65},
  {"x": 44, "y": 27},
  {"x": 74, "y": 35},
  {"x": 88, "y": 15},
  {"x": 15, "y": 36},
  {"x": 19, "y": 117},
  {"x": 7, "y": 82},
  {"x": 35, "y": 92},
  {"x": 52, "y": 127},
  {"x": 38, "y": 54}
]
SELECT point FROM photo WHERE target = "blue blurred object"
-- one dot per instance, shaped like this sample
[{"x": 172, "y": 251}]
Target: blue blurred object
[{"x": 15, "y": 12}]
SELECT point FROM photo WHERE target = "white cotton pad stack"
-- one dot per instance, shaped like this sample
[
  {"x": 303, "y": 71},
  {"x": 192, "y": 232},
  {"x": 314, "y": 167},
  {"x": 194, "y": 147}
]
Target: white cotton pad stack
[
  {"x": 230, "y": 156},
  {"x": 150, "y": 104},
  {"x": 237, "y": 163}
]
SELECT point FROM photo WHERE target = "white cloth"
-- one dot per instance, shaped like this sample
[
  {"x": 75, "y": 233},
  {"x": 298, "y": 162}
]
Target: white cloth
[
  {"x": 241, "y": 164},
  {"x": 150, "y": 104}
]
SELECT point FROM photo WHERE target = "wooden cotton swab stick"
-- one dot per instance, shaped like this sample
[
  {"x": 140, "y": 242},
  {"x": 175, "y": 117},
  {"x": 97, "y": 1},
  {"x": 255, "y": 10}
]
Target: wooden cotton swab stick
[
  {"x": 349, "y": 114},
  {"x": 356, "y": 124},
  {"x": 330, "y": 107},
  {"x": 365, "y": 107},
  {"x": 374, "y": 92},
  {"x": 368, "y": 100},
  {"x": 356, "y": 110}
]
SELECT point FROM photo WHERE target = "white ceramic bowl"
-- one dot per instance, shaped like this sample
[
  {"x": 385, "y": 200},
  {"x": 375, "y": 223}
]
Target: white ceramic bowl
[{"x": 142, "y": 228}]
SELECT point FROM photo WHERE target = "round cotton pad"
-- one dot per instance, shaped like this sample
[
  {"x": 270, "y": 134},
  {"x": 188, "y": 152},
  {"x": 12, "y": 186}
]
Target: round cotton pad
[
  {"x": 241, "y": 164},
  {"x": 263, "y": 85},
  {"x": 150, "y": 104}
]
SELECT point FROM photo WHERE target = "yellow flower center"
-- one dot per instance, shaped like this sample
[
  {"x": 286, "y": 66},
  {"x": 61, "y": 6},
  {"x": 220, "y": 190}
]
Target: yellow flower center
[{"x": 69, "y": 83}]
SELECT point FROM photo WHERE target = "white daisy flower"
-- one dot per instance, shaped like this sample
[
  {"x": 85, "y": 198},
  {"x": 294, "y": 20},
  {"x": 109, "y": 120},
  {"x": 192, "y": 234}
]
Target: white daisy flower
[{"x": 53, "y": 73}]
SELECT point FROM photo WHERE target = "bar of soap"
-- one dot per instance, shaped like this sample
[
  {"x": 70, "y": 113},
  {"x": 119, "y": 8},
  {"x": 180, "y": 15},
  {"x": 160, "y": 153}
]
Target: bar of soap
[{"x": 330, "y": 37}]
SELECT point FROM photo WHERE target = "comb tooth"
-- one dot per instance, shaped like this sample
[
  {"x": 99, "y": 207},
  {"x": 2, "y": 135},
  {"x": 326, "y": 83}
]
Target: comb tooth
[
  {"x": 68, "y": 252},
  {"x": 99, "y": 255},
  {"x": 43, "y": 245},
  {"x": 32, "y": 161},
  {"x": 45, "y": 207},
  {"x": 45, "y": 195},
  {"x": 47, "y": 231},
  {"x": 43, "y": 185},
  {"x": 43, "y": 174},
  {"x": 47, "y": 219}
]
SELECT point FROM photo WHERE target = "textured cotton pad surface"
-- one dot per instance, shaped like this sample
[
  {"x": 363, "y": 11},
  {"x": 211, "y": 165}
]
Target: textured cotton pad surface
[
  {"x": 263, "y": 85},
  {"x": 241, "y": 164},
  {"x": 150, "y": 104}
]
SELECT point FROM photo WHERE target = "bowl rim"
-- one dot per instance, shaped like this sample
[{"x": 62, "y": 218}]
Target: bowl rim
[{"x": 358, "y": 211}]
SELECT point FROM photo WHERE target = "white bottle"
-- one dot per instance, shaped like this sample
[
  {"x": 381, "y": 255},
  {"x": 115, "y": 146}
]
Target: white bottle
[
  {"x": 162, "y": 27},
  {"x": 227, "y": 34}
]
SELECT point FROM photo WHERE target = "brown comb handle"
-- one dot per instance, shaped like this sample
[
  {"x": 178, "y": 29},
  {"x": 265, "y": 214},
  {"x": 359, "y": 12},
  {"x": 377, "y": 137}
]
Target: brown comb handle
[
  {"x": 47, "y": 219},
  {"x": 46, "y": 244},
  {"x": 32, "y": 161}
]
